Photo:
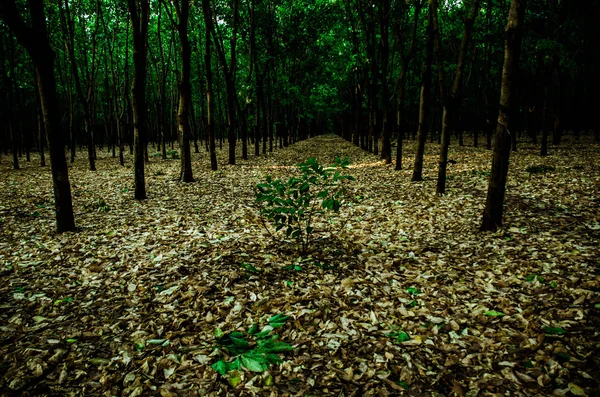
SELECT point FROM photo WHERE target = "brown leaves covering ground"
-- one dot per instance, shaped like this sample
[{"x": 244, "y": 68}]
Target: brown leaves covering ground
[{"x": 73, "y": 306}]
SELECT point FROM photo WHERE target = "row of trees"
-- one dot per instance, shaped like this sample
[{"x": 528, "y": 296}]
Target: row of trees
[{"x": 254, "y": 72}]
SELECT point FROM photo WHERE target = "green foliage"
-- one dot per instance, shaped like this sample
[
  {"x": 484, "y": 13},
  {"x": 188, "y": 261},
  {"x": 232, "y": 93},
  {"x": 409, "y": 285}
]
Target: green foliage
[
  {"x": 173, "y": 154},
  {"x": 554, "y": 331},
  {"x": 255, "y": 350},
  {"x": 539, "y": 169},
  {"x": 101, "y": 205},
  {"x": 294, "y": 205},
  {"x": 399, "y": 336},
  {"x": 531, "y": 277}
]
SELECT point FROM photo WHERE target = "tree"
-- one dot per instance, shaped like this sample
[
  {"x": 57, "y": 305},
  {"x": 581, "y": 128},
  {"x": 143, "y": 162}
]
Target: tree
[
  {"x": 34, "y": 38},
  {"x": 492, "y": 214},
  {"x": 424, "y": 101},
  {"x": 139, "y": 11},
  {"x": 405, "y": 58},
  {"x": 452, "y": 102},
  {"x": 182, "y": 10},
  {"x": 209, "y": 84},
  {"x": 68, "y": 25}
]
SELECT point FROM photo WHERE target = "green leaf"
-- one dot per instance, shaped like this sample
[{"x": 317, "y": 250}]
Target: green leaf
[
  {"x": 235, "y": 364},
  {"x": 268, "y": 382},
  {"x": 254, "y": 362},
  {"x": 253, "y": 330},
  {"x": 273, "y": 359},
  {"x": 403, "y": 384},
  {"x": 494, "y": 313},
  {"x": 553, "y": 284},
  {"x": 279, "y": 347},
  {"x": 234, "y": 378},
  {"x": 239, "y": 342},
  {"x": 413, "y": 291},
  {"x": 218, "y": 333},
  {"x": 278, "y": 320},
  {"x": 399, "y": 336},
  {"x": 554, "y": 330},
  {"x": 266, "y": 331},
  {"x": 71, "y": 340},
  {"x": 220, "y": 367},
  {"x": 249, "y": 267},
  {"x": 532, "y": 277},
  {"x": 597, "y": 306}
]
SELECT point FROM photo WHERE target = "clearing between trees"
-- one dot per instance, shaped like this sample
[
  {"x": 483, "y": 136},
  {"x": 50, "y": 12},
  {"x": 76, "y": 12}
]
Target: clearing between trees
[{"x": 159, "y": 296}]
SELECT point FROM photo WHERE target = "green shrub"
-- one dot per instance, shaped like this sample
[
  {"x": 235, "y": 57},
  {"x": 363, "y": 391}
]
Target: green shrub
[
  {"x": 174, "y": 154},
  {"x": 294, "y": 205}
]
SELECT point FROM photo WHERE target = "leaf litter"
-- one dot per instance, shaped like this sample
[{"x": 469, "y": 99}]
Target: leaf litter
[{"x": 410, "y": 298}]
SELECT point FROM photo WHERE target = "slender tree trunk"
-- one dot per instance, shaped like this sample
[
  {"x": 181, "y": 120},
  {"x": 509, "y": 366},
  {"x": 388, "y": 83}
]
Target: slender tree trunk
[
  {"x": 402, "y": 85},
  {"x": 139, "y": 12},
  {"x": 209, "y": 84},
  {"x": 40, "y": 124},
  {"x": 185, "y": 91},
  {"x": 384, "y": 54},
  {"x": 451, "y": 104},
  {"x": 68, "y": 24},
  {"x": 35, "y": 40},
  {"x": 492, "y": 214},
  {"x": 424, "y": 102}
]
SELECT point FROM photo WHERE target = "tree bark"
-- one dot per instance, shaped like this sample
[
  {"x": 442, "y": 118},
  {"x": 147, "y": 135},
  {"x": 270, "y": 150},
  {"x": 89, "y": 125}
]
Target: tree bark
[
  {"x": 492, "y": 214},
  {"x": 452, "y": 102},
  {"x": 209, "y": 84},
  {"x": 139, "y": 11},
  {"x": 69, "y": 38},
  {"x": 384, "y": 55},
  {"x": 424, "y": 102},
  {"x": 182, "y": 9},
  {"x": 406, "y": 58},
  {"x": 35, "y": 40}
]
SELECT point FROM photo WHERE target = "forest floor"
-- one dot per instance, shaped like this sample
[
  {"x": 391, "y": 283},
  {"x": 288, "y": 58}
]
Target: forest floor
[{"x": 410, "y": 298}]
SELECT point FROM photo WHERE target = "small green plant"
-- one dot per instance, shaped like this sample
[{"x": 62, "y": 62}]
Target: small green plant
[
  {"x": 398, "y": 336},
  {"x": 157, "y": 154},
  {"x": 294, "y": 205},
  {"x": 255, "y": 350},
  {"x": 539, "y": 169},
  {"x": 101, "y": 205},
  {"x": 174, "y": 154}
]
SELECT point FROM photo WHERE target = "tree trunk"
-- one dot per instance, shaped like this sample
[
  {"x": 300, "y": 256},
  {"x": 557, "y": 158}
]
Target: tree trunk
[
  {"x": 35, "y": 40},
  {"x": 492, "y": 214},
  {"x": 139, "y": 11},
  {"x": 451, "y": 104},
  {"x": 69, "y": 38},
  {"x": 402, "y": 85},
  {"x": 424, "y": 102},
  {"x": 185, "y": 91},
  {"x": 40, "y": 124},
  {"x": 209, "y": 84}
]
